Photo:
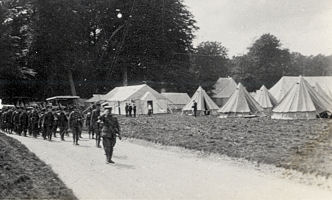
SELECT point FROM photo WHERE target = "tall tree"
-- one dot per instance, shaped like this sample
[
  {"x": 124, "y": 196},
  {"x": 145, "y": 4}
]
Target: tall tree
[
  {"x": 15, "y": 39},
  {"x": 210, "y": 63},
  {"x": 267, "y": 62}
]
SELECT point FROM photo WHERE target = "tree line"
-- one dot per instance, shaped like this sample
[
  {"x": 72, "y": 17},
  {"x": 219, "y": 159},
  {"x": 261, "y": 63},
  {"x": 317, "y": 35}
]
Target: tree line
[{"x": 57, "y": 47}]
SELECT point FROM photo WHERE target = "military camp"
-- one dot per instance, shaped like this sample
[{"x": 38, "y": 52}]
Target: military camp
[{"x": 165, "y": 99}]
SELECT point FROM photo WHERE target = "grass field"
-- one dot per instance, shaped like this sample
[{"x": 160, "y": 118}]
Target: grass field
[
  {"x": 303, "y": 145},
  {"x": 24, "y": 176}
]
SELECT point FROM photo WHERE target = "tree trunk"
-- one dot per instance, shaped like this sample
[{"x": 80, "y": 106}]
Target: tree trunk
[
  {"x": 71, "y": 82},
  {"x": 125, "y": 75}
]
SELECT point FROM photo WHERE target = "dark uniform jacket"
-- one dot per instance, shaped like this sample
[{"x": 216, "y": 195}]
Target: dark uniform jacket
[
  {"x": 88, "y": 119},
  {"x": 94, "y": 116},
  {"x": 34, "y": 117},
  {"x": 24, "y": 119},
  {"x": 110, "y": 126},
  {"x": 48, "y": 119},
  {"x": 75, "y": 119},
  {"x": 63, "y": 121}
]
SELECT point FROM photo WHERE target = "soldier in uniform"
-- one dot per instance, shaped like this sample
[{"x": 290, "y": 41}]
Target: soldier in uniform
[
  {"x": 63, "y": 123},
  {"x": 75, "y": 124},
  {"x": 94, "y": 118},
  {"x": 16, "y": 121},
  {"x": 88, "y": 122},
  {"x": 34, "y": 119},
  {"x": 195, "y": 108},
  {"x": 9, "y": 123},
  {"x": 24, "y": 122},
  {"x": 41, "y": 124},
  {"x": 110, "y": 130},
  {"x": 48, "y": 123},
  {"x": 55, "y": 123}
]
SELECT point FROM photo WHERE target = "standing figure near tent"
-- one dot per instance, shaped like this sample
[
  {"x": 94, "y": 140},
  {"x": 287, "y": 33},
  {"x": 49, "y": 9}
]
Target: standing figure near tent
[
  {"x": 94, "y": 118},
  {"x": 149, "y": 109},
  {"x": 126, "y": 109},
  {"x": 110, "y": 130},
  {"x": 130, "y": 110},
  {"x": 48, "y": 123},
  {"x": 134, "y": 109},
  {"x": 75, "y": 124},
  {"x": 195, "y": 108}
]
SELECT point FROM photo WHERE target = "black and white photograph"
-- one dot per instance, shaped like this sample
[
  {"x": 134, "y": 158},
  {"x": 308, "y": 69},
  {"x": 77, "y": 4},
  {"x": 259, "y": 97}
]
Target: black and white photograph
[{"x": 166, "y": 99}]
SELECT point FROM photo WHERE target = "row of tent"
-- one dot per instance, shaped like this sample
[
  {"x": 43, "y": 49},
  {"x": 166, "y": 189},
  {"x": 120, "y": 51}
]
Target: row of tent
[{"x": 290, "y": 98}]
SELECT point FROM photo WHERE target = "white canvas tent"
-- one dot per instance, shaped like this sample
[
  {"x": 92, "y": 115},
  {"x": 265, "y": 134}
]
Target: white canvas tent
[
  {"x": 320, "y": 91},
  {"x": 286, "y": 82},
  {"x": 95, "y": 98},
  {"x": 204, "y": 103},
  {"x": 176, "y": 101},
  {"x": 223, "y": 89},
  {"x": 265, "y": 99},
  {"x": 301, "y": 102},
  {"x": 240, "y": 104},
  {"x": 140, "y": 95}
]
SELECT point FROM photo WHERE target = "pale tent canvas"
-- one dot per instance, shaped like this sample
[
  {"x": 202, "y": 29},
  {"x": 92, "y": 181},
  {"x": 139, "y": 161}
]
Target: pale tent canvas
[
  {"x": 158, "y": 106},
  {"x": 320, "y": 91},
  {"x": 140, "y": 95},
  {"x": 301, "y": 102},
  {"x": 95, "y": 98},
  {"x": 265, "y": 99},
  {"x": 280, "y": 89},
  {"x": 223, "y": 89},
  {"x": 176, "y": 101},
  {"x": 204, "y": 103},
  {"x": 240, "y": 104}
]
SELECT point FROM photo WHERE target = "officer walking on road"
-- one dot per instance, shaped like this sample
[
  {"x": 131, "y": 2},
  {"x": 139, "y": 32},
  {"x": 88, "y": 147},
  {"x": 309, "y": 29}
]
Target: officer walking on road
[
  {"x": 110, "y": 131},
  {"x": 75, "y": 124},
  {"x": 48, "y": 123},
  {"x": 93, "y": 123},
  {"x": 63, "y": 122}
]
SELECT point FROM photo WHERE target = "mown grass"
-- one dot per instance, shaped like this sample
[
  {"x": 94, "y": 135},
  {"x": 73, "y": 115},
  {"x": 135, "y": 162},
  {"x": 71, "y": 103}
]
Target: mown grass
[{"x": 303, "y": 145}]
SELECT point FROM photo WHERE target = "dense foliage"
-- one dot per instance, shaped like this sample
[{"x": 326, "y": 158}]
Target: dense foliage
[{"x": 58, "y": 47}]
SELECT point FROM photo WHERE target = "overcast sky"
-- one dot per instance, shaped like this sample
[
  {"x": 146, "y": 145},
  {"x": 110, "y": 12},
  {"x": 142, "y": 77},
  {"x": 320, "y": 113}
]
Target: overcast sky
[{"x": 304, "y": 26}]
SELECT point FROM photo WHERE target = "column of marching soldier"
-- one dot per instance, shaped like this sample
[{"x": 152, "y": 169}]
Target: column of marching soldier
[{"x": 45, "y": 122}]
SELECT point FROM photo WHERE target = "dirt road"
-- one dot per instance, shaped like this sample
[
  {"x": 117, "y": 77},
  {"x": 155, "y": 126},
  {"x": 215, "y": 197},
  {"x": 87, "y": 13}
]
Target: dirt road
[{"x": 146, "y": 171}]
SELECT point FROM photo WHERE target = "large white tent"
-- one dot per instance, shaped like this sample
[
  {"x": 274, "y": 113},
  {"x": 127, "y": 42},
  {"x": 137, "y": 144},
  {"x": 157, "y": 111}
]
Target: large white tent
[
  {"x": 240, "y": 104},
  {"x": 301, "y": 102},
  {"x": 176, "y": 101},
  {"x": 204, "y": 103},
  {"x": 223, "y": 89},
  {"x": 286, "y": 82},
  {"x": 140, "y": 95},
  {"x": 265, "y": 99}
]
